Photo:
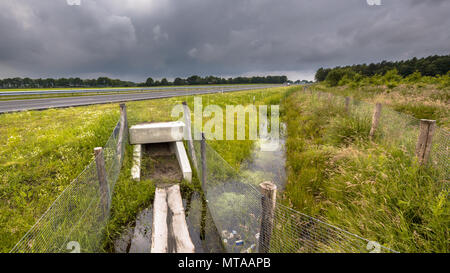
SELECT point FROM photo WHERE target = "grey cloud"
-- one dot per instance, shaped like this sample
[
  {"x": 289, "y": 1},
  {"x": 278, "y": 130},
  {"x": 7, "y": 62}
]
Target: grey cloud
[{"x": 133, "y": 39}]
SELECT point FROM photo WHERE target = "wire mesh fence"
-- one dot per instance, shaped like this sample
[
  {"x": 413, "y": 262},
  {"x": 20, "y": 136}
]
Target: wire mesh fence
[
  {"x": 77, "y": 218},
  {"x": 235, "y": 204},
  {"x": 397, "y": 129}
]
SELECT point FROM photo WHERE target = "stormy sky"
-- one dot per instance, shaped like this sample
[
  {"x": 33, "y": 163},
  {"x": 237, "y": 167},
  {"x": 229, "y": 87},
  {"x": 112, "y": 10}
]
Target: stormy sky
[{"x": 134, "y": 39}]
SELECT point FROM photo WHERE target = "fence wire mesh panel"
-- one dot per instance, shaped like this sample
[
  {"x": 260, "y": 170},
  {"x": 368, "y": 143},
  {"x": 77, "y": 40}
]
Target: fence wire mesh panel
[
  {"x": 77, "y": 217},
  {"x": 234, "y": 204},
  {"x": 236, "y": 208},
  {"x": 397, "y": 130},
  {"x": 295, "y": 232}
]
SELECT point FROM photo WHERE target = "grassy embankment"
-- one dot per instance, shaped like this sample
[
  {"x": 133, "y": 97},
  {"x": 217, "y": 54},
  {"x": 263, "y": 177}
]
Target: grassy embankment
[
  {"x": 41, "y": 152},
  {"x": 372, "y": 188}
]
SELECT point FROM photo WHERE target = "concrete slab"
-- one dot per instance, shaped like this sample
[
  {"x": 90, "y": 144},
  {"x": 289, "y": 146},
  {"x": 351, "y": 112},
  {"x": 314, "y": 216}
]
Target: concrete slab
[
  {"x": 136, "y": 168},
  {"x": 183, "y": 160},
  {"x": 156, "y": 132}
]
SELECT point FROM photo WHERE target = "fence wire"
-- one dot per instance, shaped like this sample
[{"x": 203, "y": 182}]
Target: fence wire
[
  {"x": 235, "y": 204},
  {"x": 397, "y": 130},
  {"x": 77, "y": 215}
]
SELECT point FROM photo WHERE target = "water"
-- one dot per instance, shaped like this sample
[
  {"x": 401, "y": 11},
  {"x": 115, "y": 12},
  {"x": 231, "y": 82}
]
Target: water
[
  {"x": 202, "y": 229},
  {"x": 267, "y": 165}
]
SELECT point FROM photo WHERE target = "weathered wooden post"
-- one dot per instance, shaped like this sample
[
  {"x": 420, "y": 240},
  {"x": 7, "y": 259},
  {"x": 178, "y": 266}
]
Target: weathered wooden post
[
  {"x": 123, "y": 127},
  {"x": 375, "y": 120},
  {"x": 347, "y": 105},
  {"x": 423, "y": 147},
  {"x": 203, "y": 154},
  {"x": 123, "y": 114},
  {"x": 187, "y": 122},
  {"x": 101, "y": 174},
  {"x": 268, "y": 201}
]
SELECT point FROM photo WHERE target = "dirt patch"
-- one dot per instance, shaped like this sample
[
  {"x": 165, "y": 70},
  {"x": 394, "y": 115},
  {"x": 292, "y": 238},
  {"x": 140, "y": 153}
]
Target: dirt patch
[{"x": 160, "y": 164}]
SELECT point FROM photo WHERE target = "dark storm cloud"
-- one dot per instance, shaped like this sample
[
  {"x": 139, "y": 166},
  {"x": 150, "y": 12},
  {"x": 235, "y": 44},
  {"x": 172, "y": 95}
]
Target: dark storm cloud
[{"x": 133, "y": 39}]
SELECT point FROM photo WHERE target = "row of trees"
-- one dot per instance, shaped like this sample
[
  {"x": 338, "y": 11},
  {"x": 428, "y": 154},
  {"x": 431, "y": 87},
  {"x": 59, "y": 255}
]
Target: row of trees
[
  {"x": 197, "y": 80},
  {"x": 429, "y": 66},
  {"x": 107, "y": 82},
  {"x": 63, "y": 83}
]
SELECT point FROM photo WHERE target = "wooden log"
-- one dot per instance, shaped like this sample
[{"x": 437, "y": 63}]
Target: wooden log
[
  {"x": 203, "y": 158},
  {"x": 423, "y": 146},
  {"x": 375, "y": 120},
  {"x": 179, "y": 228},
  {"x": 268, "y": 201},
  {"x": 102, "y": 179},
  {"x": 159, "y": 224},
  {"x": 188, "y": 136}
]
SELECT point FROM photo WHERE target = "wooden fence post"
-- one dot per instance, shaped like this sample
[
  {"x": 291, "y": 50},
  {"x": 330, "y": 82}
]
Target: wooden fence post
[
  {"x": 123, "y": 127},
  {"x": 187, "y": 120},
  {"x": 375, "y": 120},
  {"x": 101, "y": 174},
  {"x": 123, "y": 114},
  {"x": 423, "y": 147},
  {"x": 268, "y": 201},
  {"x": 203, "y": 154},
  {"x": 347, "y": 105}
]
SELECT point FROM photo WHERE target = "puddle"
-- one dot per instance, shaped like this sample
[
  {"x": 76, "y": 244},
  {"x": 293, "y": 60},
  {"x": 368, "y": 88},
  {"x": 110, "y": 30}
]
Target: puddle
[
  {"x": 203, "y": 233},
  {"x": 269, "y": 165}
]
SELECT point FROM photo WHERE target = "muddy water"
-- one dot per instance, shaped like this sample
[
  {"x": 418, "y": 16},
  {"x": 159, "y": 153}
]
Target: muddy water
[
  {"x": 268, "y": 164},
  {"x": 202, "y": 230},
  {"x": 160, "y": 165}
]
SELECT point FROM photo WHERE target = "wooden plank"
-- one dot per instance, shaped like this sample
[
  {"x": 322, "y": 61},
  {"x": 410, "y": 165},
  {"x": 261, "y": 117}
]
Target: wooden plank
[
  {"x": 179, "y": 228},
  {"x": 159, "y": 224}
]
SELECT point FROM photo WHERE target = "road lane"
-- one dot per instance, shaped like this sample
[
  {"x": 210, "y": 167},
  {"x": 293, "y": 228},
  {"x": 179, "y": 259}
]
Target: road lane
[{"x": 41, "y": 104}]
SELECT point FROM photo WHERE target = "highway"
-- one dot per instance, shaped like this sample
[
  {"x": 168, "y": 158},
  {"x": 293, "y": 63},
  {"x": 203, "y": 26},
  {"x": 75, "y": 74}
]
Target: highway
[{"x": 46, "y": 103}]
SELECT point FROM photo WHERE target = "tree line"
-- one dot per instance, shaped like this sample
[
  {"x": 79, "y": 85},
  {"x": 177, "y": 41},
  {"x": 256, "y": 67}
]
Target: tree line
[
  {"x": 197, "y": 80},
  {"x": 428, "y": 66},
  {"x": 107, "y": 82}
]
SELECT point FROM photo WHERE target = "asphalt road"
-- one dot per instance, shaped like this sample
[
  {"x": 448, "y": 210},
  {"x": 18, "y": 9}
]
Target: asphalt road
[
  {"x": 109, "y": 90},
  {"x": 41, "y": 104}
]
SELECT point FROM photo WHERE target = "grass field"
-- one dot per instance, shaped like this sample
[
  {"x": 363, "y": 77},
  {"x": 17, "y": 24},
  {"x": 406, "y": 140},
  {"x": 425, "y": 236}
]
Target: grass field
[{"x": 41, "y": 152}]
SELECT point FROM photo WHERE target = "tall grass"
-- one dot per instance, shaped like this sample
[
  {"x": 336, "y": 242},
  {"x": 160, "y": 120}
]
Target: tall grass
[{"x": 371, "y": 188}]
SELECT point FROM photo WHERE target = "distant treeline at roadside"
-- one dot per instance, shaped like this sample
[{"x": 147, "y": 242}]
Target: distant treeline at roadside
[
  {"x": 107, "y": 82},
  {"x": 432, "y": 66}
]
